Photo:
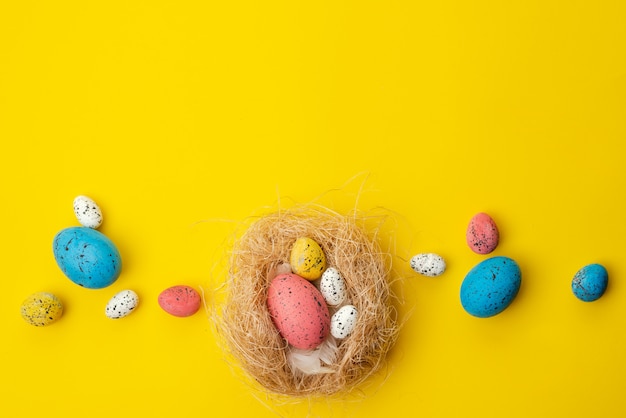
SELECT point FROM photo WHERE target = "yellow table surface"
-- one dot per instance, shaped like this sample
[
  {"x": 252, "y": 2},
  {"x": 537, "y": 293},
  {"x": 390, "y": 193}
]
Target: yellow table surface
[{"x": 181, "y": 119}]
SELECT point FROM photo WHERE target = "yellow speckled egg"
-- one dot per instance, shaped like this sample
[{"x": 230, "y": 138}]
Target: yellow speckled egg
[
  {"x": 41, "y": 308},
  {"x": 307, "y": 259}
]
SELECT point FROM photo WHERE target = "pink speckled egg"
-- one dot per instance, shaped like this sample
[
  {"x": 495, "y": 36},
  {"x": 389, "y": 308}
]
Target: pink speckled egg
[
  {"x": 180, "y": 300},
  {"x": 298, "y": 310},
  {"x": 482, "y": 234}
]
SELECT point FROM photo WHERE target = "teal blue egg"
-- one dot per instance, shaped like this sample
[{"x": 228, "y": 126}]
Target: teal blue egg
[
  {"x": 590, "y": 282},
  {"x": 490, "y": 287},
  {"x": 87, "y": 257}
]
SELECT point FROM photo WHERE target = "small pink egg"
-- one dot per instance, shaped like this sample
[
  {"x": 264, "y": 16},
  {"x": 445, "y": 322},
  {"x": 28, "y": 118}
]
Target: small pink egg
[
  {"x": 180, "y": 300},
  {"x": 298, "y": 311},
  {"x": 482, "y": 234}
]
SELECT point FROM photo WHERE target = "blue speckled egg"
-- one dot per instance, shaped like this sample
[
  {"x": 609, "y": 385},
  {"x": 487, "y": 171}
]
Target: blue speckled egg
[
  {"x": 87, "y": 257},
  {"x": 590, "y": 282},
  {"x": 490, "y": 287}
]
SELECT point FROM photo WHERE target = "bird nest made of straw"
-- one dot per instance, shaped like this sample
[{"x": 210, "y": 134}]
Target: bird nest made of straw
[{"x": 244, "y": 323}]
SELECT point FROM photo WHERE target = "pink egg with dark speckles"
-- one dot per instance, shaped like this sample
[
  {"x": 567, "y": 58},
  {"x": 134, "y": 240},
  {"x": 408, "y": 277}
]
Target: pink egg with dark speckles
[
  {"x": 180, "y": 300},
  {"x": 298, "y": 311},
  {"x": 482, "y": 234}
]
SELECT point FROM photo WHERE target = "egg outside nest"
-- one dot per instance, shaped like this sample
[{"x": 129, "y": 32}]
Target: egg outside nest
[{"x": 244, "y": 325}]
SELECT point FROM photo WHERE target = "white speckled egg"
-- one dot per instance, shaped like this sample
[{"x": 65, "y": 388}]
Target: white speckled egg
[
  {"x": 333, "y": 287},
  {"x": 428, "y": 264},
  {"x": 343, "y": 321},
  {"x": 122, "y": 304},
  {"x": 87, "y": 212}
]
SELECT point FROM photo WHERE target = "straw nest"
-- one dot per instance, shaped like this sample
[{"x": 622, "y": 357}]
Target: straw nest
[{"x": 245, "y": 325}]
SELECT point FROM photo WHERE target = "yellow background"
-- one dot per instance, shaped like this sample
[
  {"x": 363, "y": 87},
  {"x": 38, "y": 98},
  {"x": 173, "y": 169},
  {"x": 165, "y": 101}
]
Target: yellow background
[{"x": 183, "y": 118}]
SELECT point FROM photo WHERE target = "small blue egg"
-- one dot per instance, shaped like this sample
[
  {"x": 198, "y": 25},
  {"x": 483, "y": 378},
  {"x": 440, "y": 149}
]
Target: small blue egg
[
  {"x": 87, "y": 257},
  {"x": 590, "y": 282},
  {"x": 490, "y": 287}
]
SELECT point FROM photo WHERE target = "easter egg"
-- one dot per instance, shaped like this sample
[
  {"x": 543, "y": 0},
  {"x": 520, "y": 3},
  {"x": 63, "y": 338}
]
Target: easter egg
[
  {"x": 298, "y": 311},
  {"x": 87, "y": 212},
  {"x": 482, "y": 234},
  {"x": 180, "y": 300},
  {"x": 590, "y": 282},
  {"x": 490, "y": 287},
  {"x": 307, "y": 259},
  {"x": 121, "y": 304},
  {"x": 41, "y": 309},
  {"x": 343, "y": 321},
  {"x": 333, "y": 287},
  {"x": 428, "y": 264},
  {"x": 87, "y": 257}
]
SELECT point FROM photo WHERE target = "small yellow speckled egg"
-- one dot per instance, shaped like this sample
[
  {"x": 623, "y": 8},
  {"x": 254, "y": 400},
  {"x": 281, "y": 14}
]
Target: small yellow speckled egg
[
  {"x": 307, "y": 259},
  {"x": 41, "y": 308}
]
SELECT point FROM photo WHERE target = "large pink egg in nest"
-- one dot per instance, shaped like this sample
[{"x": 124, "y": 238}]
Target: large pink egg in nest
[{"x": 298, "y": 310}]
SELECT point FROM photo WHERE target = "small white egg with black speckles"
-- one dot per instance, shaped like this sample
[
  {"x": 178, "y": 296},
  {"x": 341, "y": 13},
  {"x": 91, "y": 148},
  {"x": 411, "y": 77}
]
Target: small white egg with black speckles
[
  {"x": 87, "y": 212},
  {"x": 428, "y": 264},
  {"x": 333, "y": 287},
  {"x": 342, "y": 323},
  {"x": 122, "y": 304}
]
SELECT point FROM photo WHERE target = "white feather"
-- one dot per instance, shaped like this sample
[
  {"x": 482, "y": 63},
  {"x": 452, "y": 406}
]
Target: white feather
[
  {"x": 313, "y": 361},
  {"x": 328, "y": 350}
]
